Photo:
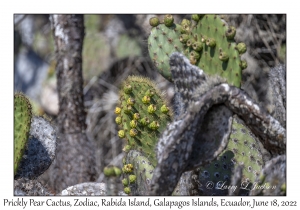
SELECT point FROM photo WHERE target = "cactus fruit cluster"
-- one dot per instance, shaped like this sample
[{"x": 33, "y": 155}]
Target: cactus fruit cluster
[
  {"x": 142, "y": 114},
  {"x": 206, "y": 40}
]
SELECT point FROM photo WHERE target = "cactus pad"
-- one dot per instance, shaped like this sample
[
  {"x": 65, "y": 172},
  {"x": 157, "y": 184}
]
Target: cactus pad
[
  {"x": 243, "y": 149},
  {"x": 142, "y": 115},
  {"x": 220, "y": 54},
  {"x": 138, "y": 181},
  {"x": 22, "y": 121},
  {"x": 162, "y": 42}
]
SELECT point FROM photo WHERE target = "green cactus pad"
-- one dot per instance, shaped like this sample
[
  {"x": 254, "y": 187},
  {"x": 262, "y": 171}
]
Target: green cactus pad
[
  {"x": 22, "y": 121},
  {"x": 162, "y": 42},
  {"x": 242, "y": 149},
  {"x": 142, "y": 124},
  {"x": 219, "y": 38}
]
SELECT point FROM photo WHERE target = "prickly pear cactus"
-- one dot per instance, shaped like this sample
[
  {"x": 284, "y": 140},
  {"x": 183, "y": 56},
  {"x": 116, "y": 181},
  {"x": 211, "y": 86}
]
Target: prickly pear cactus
[
  {"x": 22, "y": 121},
  {"x": 142, "y": 115},
  {"x": 206, "y": 40}
]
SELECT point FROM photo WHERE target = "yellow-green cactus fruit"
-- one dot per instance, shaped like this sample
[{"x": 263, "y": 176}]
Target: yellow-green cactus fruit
[
  {"x": 168, "y": 20},
  {"x": 230, "y": 33},
  {"x": 133, "y": 132},
  {"x": 132, "y": 179},
  {"x": 151, "y": 108},
  {"x": 133, "y": 123},
  {"x": 211, "y": 42},
  {"x": 130, "y": 101},
  {"x": 121, "y": 133},
  {"x": 111, "y": 171},
  {"x": 223, "y": 56},
  {"x": 146, "y": 100},
  {"x": 154, "y": 125},
  {"x": 125, "y": 182},
  {"x": 118, "y": 120},
  {"x": 127, "y": 190},
  {"x": 241, "y": 48},
  {"x": 128, "y": 168},
  {"x": 145, "y": 121},
  {"x": 154, "y": 21},
  {"x": 127, "y": 148},
  {"x": 118, "y": 110},
  {"x": 164, "y": 109},
  {"x": 136, "y": 116}
]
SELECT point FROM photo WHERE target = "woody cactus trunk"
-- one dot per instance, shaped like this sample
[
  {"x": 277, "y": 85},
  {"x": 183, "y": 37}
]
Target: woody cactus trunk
[{"x": 75, "y": 153}]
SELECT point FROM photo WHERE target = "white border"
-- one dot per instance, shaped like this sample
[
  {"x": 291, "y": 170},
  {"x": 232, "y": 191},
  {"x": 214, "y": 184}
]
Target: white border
[{"x": 151, "y": 6}]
